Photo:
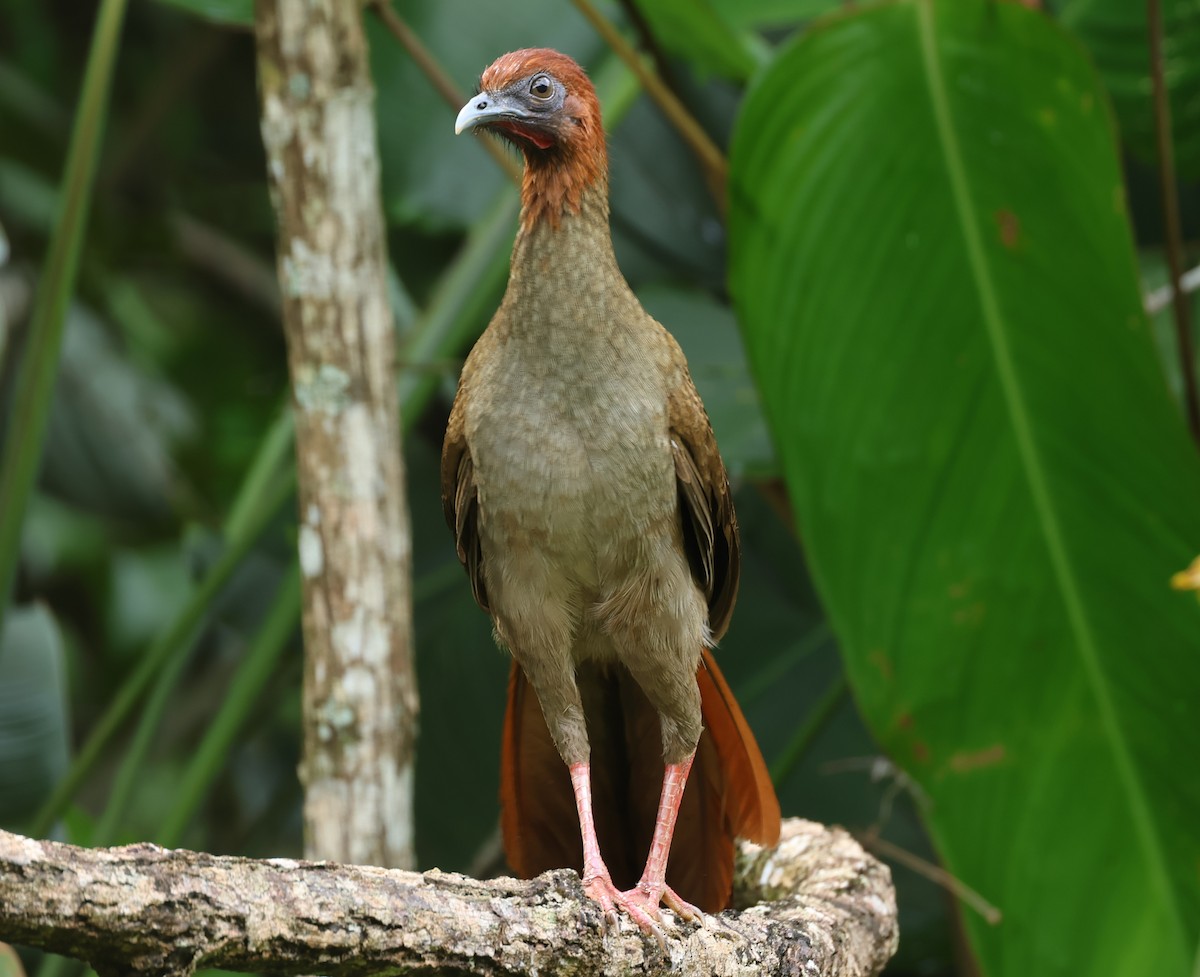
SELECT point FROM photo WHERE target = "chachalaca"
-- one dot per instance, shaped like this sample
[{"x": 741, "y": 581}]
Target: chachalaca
[{"x": 592, "y": 512}]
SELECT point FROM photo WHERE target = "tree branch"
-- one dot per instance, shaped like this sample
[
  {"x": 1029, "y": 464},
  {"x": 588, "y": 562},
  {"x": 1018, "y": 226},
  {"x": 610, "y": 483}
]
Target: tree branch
[{"x": 147, "y": 910}]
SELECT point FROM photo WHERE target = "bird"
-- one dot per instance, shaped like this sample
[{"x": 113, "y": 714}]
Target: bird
[{"x": 593, "y": 515}]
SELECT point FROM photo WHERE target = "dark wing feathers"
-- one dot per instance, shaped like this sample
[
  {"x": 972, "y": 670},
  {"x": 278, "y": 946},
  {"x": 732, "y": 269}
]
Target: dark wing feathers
[
  {"x": 710, "y": 532},
  {"x": 460, "y": 504}
]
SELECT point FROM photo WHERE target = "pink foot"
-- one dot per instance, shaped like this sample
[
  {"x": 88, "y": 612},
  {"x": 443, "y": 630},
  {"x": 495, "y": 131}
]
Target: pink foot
[
  {"x": 640, "y": 904},
  {"x": 633, "y": 903}
]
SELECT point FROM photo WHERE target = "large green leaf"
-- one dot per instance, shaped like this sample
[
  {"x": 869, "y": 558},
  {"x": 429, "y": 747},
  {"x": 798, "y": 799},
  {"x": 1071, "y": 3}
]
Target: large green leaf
[
  {"x": 934, "y": 270},
  {"x": 1115, "y": 34}
]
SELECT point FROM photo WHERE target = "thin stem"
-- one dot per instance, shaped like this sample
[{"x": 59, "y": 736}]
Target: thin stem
[
  {"x": 133, "y": 760},
  {"x": 272, "y": 459},
  {"x": 935, "y": 874},
  {"x": 1160, "y": 298},
  {"x": 460, "y": 300},
  {"x": 712, "y": 160},
  {"x": 229, "y": 261},
  {"x": 39, "y": 367},
  {"x": 454, "y": 97},
  {"x": 794, "y": 752},
  {"x": 1180, "y": 303},
  {"x": 649, "y": 42},
  {"x": 245, "y": 686}
]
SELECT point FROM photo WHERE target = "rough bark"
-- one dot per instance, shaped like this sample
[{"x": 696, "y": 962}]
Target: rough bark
[
  {"x": 141, "y": 909},
  {"x": 360, "y": 696}
]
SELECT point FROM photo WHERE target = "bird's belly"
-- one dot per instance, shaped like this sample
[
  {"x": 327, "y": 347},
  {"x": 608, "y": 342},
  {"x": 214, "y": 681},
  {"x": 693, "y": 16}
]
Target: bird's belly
[{"x": 573, "y": 483}]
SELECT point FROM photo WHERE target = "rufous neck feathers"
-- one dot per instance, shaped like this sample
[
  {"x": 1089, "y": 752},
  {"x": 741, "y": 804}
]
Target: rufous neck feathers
[{"x": 557, "y": 179}]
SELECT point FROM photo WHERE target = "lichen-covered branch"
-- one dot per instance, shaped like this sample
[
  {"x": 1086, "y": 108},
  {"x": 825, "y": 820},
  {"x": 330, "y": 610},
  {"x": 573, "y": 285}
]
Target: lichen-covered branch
[
  {"x": 360, "y": 698},
  {"x": 830, "y": 912}
]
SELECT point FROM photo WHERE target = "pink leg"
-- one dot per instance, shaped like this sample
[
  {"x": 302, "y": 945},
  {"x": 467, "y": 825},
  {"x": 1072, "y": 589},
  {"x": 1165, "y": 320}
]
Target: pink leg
[
  {"x": 597, "y": 882},
  {"x": 643, "y": 900},
  {"x": 653, "y": 883}
]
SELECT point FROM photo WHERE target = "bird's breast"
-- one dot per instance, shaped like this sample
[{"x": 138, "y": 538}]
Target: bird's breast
[{"x": 570, "y": 448}]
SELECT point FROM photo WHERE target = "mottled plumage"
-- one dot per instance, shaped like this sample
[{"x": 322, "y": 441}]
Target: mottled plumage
[{"x": 592, "y": 512}]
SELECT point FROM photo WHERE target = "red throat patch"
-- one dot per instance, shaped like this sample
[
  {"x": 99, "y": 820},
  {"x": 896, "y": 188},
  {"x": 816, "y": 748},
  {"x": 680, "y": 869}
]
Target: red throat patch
[{"x": 531, "y": 135}]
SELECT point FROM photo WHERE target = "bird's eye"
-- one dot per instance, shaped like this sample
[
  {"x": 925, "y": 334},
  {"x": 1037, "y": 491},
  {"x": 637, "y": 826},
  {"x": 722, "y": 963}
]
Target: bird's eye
[{"x": 541, "y": 87}]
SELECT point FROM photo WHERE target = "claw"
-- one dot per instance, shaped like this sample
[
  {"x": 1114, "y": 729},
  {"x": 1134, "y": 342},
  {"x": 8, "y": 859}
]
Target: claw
[
  {"x": 601, "y": 891},
  {"x": 633, "y": 903},
  {"x": 642, "y": 906},
  {"x": 681, "y": 907}
]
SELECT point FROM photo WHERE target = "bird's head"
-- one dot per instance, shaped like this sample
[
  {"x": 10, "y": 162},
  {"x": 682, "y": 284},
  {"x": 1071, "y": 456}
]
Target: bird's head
[{"x": 543, "y": 103}]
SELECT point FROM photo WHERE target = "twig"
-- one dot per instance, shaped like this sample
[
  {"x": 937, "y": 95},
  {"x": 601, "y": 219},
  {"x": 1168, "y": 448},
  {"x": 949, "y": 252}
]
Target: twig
[
  {"x": 650, "y": 43},
  {"x": 227, "y": 260},
  {"x": 1160, "y": 298},
  {"x": 1170, "y": 207},
  {"x": 441, "y": 81},
  {"x": 713, "y": 162},
  {"x": 935, "y": 873},
  {"x": 179, "y": 73}
]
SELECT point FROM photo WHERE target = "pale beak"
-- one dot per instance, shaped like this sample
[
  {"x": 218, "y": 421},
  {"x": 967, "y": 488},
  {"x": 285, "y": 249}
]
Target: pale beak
[{"x": 484, "y": 108}]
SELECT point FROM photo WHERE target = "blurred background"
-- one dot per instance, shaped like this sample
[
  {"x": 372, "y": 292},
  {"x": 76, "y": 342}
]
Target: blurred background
[{"x": 156, "y": 557}]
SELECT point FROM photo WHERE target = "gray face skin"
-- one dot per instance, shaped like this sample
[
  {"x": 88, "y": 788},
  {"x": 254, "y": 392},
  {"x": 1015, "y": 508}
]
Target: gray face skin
[{"x": 529, "y": 112}]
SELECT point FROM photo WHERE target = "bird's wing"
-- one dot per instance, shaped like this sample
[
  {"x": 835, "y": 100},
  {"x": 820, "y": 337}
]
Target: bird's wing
[
  {"x": 710, "y": 531},
  {"x": 460, "y": 502}
]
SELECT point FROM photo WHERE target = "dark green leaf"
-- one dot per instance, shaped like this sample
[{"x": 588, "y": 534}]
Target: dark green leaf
[
  {"x": 236, "y": 13},
  {"x": 774, "y": 13},
  {"x": 935, "y": 274},
  {"x": 34, "y": 729},
  {"x": 112, "y": 426},
  {"x": 1115, "y": 34},
  {"x": 700, "y": 31}
]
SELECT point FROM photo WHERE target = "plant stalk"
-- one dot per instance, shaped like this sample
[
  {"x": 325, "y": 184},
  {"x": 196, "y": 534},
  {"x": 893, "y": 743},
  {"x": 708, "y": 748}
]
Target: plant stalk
[
  {"x": 39, "y": 366},
  {"x": 1180, "y": 303}
]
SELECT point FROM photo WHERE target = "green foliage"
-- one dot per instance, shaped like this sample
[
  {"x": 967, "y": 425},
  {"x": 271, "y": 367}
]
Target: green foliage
[
  {"x": 35, "y": 378},
  {"x": 33, "y": 711},
  {"x": 699, "y": 31},
  {"x": 1114, "y": 32},
  {"x": 239, "y": 13},
  {"x": 935, "y": 279},
  {"x": 991, "y": 480}
]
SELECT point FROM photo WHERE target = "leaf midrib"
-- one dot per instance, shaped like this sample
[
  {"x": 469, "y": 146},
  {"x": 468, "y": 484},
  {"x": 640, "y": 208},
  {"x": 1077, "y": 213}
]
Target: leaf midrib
[{"x": 1031, "y": 463}]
